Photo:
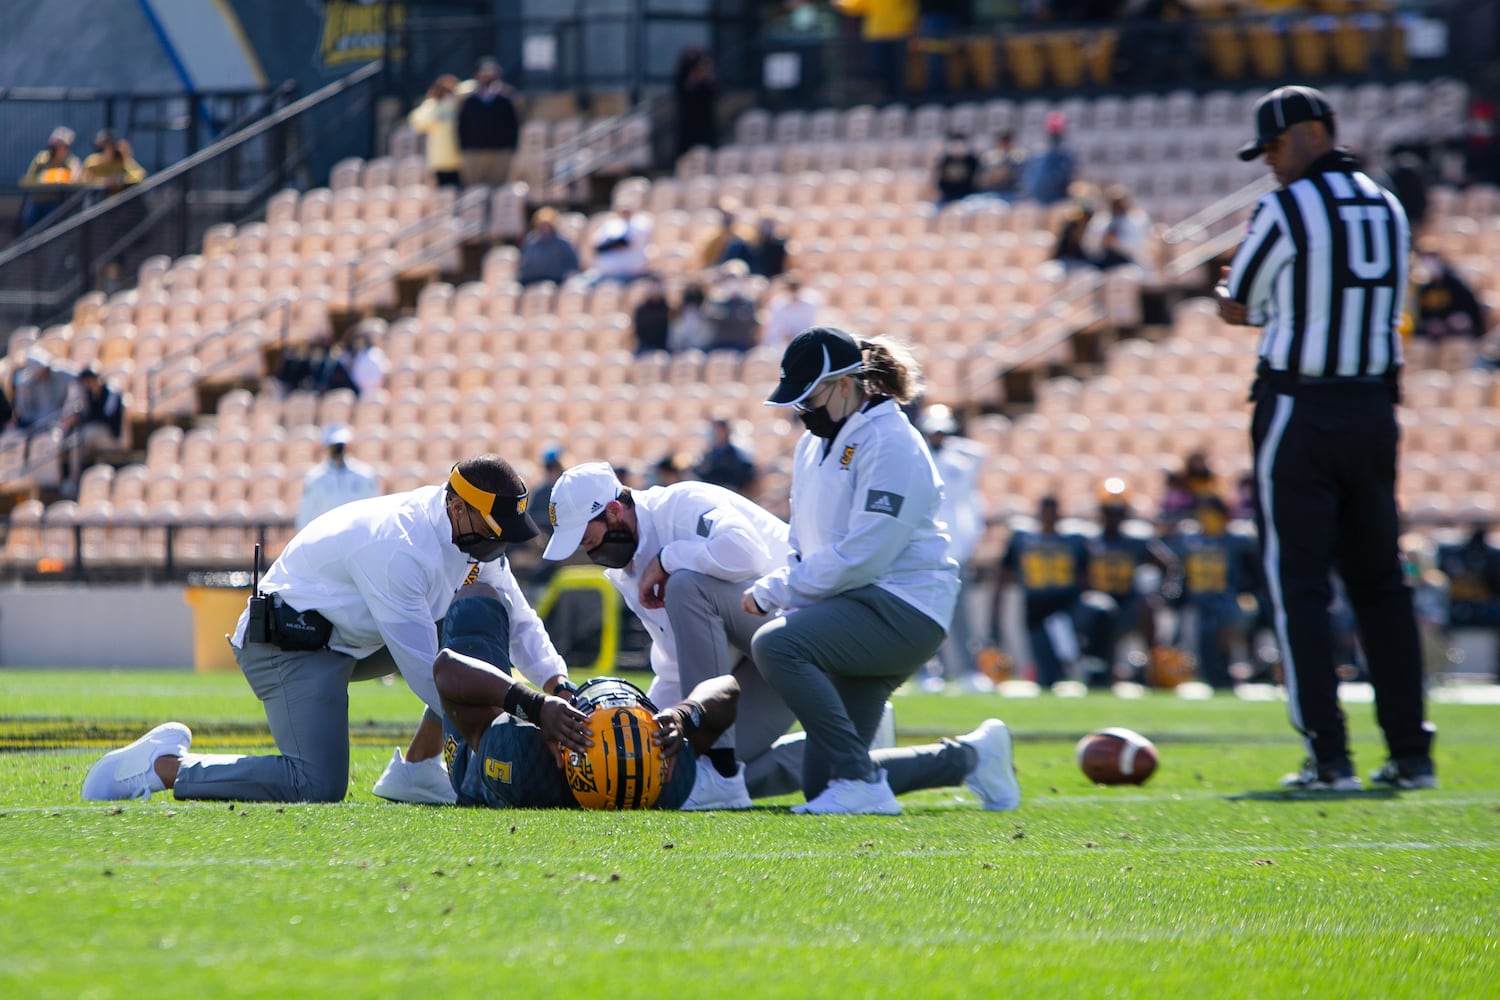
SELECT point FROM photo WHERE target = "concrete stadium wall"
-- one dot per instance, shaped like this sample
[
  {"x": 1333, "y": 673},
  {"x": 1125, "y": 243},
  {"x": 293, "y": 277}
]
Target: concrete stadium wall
[{"x": 78, "y": 626}]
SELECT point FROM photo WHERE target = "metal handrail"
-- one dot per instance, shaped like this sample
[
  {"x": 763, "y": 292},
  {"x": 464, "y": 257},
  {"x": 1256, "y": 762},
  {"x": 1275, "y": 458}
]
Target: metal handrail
[
  {"x": 177, "y": 170},
  {"x": 1195, "y": 225}
]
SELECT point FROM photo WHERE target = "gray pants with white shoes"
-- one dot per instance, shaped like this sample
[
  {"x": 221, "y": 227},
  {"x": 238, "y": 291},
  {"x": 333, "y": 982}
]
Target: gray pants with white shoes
[
  {"x": 835, "y": 663},
  {"x": 714, "y": 636},
  {"x": 306, "y": 698}
]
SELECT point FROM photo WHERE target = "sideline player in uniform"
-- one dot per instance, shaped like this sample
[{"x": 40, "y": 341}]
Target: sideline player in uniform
[
  {"x": 354, "y": 596},
  {"x": 867, "y": 594},
  {"x": 1051, "y": 570},
  {"x": 1323, "y": 272},
  {"x": 1217, "y": 567},
  {"x": 503, "y": 740},
  {"x": 1114, "y": 605}
]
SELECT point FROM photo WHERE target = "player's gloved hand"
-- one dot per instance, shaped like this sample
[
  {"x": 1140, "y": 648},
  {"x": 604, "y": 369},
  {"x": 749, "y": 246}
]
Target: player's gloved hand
[
  {"x": 672, "y": 728},
  {"x": 563, "y": 723}
]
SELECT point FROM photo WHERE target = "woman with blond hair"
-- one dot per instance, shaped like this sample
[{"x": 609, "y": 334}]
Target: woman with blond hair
[{"x": 868, "y": 593}]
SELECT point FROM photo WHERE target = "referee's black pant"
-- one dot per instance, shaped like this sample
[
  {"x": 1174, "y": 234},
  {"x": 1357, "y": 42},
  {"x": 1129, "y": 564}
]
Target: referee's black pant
[{"x": 1325, "y": 475}]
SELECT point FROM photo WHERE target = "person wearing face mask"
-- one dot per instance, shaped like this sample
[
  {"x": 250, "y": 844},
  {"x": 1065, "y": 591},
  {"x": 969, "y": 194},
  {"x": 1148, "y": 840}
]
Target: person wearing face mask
[
  {"x": 868, "y": 591},
  {"x": 355, "y": 596},
  {"x": 680, "y": 555}
]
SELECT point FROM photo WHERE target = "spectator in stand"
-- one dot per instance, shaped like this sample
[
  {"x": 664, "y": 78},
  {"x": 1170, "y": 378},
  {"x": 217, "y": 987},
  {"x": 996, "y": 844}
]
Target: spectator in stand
[
  {"x": 335, "y": 481},
  {"x": 620, "y": 248},
  {"x": 730, "y": 313},
  {"x": 546, "y": 255},
  {"x": 1002, "y": 167},
  {"x": 1408, "y": 178},
  {"x": 1446, "y": 305},
  {"x": 1049, "y": 174},
  {"x": 957, "y": 174},
  {"x": 489, "y": 127},
  {"x": 728, "y": 242},
  {"x": 696, "y": 85},
  {"x": 725, "y": 462},
  {"x": 768, "y": 252},
  {"x": 885, "y": 26},
  {"x": 1117, "y": 236},
  {"x": 689, "y": 329},
  {"x": 363, "y": 360},
  {"x": 1069, "y": 250},
  {"x": 652, "y": 318},
  {"x": 45, "y": 393},
  {"x": 54, "y": 166},
  {"x": 670, "y": 469},
  {"x": 95, "y": 424},
  {"x": 792, "y": 310},
  {"x": 436, "y": 118},
  {"x": 541, "y": 494},
  {"x": 111, "y": 166}
]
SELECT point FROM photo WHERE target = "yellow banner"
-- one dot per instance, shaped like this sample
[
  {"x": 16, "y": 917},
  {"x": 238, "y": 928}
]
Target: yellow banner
[{"x": 354, "y": 31}]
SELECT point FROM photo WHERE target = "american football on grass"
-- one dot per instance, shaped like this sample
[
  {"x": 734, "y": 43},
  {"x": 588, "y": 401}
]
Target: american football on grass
[{"x": 1116, "y": 757}]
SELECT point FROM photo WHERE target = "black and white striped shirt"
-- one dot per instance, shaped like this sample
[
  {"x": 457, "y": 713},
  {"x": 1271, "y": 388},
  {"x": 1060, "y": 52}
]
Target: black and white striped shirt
[{"x": 1323, "y": 271}]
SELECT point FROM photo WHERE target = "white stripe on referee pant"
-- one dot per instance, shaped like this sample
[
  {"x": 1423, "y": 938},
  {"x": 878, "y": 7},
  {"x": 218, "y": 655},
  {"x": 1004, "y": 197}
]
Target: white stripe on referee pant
[{"x": 1271, "y": 552}]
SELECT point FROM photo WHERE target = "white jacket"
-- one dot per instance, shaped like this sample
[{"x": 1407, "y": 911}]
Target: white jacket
[
  {"x": 865, "y": 511},
  {"x": 700, "y": 527},
  {"x": 960, "y": 462},
  {"x": 383, "y": 571}
]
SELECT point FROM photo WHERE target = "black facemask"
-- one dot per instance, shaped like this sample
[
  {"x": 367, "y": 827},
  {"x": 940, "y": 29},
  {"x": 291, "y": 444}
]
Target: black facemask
[
  {"x": 480, "y": 548},
  {"x": 615, "y": 549},
  {"x": 820, "y": 424}
]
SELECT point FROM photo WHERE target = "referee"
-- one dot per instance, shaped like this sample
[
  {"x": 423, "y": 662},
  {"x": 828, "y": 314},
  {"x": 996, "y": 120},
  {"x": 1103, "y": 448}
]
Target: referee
[{"x": 1323, "y": 272}]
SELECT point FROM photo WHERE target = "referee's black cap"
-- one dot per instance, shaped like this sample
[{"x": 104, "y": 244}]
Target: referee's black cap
[{"x": 1280, "y": 110}]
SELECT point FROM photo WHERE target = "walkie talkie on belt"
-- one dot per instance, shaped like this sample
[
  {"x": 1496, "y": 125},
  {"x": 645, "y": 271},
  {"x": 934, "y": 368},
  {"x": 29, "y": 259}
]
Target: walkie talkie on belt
[{"x": 257, "y": 627}]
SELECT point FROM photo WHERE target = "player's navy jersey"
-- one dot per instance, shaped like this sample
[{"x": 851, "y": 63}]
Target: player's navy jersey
[
  {"x": 1112, "y": 563},
  {"x": 1048, "y": 567},
  {"x": 1473, "y": 572},
  {"x": 516, "y": 768},
  {"x": 1215, "y": 566}
]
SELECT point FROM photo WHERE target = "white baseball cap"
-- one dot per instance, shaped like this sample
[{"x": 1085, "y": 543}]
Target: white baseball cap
[
  {"x": 337, "y": 434},
  {"x": 578, "y": 496}
]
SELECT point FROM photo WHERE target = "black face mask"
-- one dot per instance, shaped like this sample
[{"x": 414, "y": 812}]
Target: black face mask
[
  {"x": 480, "y": 548},
  {"x": 615, "y": 549},
  {"x": 820, "y": 424}
]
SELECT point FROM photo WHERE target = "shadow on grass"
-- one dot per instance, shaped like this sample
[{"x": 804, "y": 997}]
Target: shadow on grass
[{"x": 1301, "y": 795}]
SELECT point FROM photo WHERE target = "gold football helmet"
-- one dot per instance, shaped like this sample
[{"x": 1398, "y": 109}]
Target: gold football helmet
[{"x": 624, "y": 769}]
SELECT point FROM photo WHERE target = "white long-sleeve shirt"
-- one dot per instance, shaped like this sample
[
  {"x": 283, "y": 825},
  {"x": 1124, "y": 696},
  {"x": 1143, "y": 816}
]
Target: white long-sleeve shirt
[
  {"x": 328, "y": 485},
  {"x": 383, "y": 571},
  {"x": 703, "y": 528},
  {"x": 865, "y": 511},
  {"x": 959, "y": 462}
]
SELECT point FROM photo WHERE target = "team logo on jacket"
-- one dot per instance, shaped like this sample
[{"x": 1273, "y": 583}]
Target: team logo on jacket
[
  {"x": 848, "y": 456},
  {"x": 881, "y": 502},
  {"x": 499, "y": 770}
]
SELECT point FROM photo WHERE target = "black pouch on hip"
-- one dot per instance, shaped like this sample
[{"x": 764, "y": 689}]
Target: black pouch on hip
[{"x": 297, "y": 630}]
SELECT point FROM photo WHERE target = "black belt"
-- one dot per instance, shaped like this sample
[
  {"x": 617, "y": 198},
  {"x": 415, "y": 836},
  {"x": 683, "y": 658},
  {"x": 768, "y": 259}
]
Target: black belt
[{"x": 1285, "y": 383}]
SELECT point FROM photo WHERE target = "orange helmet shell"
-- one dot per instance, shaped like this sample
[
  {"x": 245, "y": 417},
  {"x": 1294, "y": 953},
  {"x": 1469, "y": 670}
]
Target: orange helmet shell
[{"x": 624, "y": 769}]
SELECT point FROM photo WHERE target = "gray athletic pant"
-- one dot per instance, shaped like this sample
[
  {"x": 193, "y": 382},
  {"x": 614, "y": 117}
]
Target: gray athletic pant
[
  {"x": 835, "y": 663},
  {"x": 713, "y": 636},
  {"x": 306, "y": 698}
]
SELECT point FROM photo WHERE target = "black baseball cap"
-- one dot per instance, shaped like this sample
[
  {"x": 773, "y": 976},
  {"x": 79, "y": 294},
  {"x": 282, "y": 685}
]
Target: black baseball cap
[
  {"x": 1281, "y": 109},
  {"x": 814, "y": 355}
]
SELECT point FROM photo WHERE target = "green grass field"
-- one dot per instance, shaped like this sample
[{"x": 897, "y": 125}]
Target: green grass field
[{"x": 1206, "y": 882}]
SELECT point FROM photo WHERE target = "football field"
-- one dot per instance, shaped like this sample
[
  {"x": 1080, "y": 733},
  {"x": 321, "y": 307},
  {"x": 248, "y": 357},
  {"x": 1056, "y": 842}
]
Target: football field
[{"x": 1205, "y": 882}]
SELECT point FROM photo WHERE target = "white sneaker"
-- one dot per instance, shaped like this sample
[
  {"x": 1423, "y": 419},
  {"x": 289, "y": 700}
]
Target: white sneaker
[
  {"x": 127, "y": 773},
  {"x": 852, "y": 797},
  {"x": 422, "y": 783},
  {"x": 885, "y": 733},
  {"x": 711, "y": 790},
  {"x": 993, "y": 779}
]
